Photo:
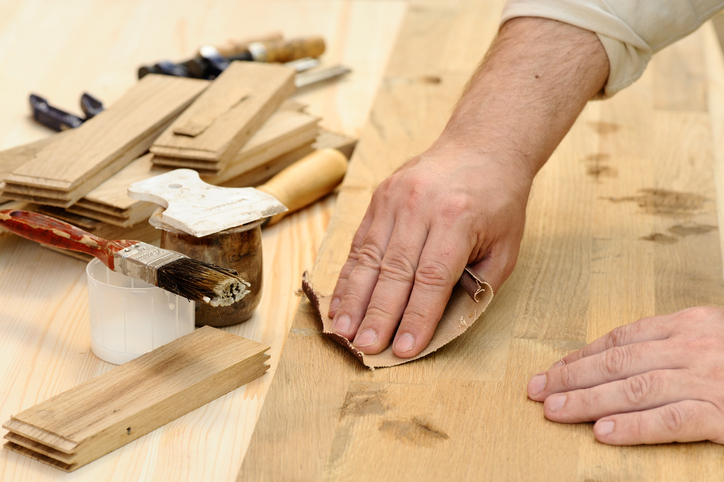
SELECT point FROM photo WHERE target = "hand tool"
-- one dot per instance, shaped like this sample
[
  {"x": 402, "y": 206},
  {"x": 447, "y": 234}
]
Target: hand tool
[
  {"x": 210, "y": 62},
  {"x": 60, "y": 120},
  {"x": 169, "y": 270},
  {"x": 305, "y": 181},
  {"x": 195, "y": 207}
]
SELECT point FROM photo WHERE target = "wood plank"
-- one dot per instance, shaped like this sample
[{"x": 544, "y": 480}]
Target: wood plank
[
  {"x": 63, "y": 198},
  {"x": 621, "y": 224},
  {"x": 151, "y": 103},
  {"x": 105, "y": 413},
  {"x": 284, "y": 132},
  {"x": 269, "y": 85}
]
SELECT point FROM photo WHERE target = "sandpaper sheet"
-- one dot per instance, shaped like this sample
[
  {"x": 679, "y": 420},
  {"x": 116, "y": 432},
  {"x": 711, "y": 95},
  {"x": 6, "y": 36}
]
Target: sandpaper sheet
[{"x": 470, "y": 298}]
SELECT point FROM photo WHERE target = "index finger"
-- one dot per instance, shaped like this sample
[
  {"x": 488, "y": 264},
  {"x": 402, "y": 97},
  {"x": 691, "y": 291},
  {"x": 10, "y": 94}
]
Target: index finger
[
  {"x": 442, "y": 262},
  {"x": 646, "y": 329}
]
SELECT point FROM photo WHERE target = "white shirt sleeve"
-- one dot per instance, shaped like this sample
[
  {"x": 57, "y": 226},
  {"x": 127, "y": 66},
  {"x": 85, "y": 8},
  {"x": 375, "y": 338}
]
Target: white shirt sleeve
[{"x": 631, "y": 31}]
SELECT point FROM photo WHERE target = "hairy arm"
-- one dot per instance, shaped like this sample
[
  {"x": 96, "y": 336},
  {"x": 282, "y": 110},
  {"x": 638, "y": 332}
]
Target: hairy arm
[{"x": 462, "y": 202}]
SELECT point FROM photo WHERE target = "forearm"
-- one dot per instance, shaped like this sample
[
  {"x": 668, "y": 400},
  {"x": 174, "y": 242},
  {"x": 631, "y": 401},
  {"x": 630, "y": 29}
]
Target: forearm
[{"x": 531, "y": 87}]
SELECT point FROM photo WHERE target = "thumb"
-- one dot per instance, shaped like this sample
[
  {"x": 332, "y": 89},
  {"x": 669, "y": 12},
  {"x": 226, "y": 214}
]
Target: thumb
[{"x": 495, "y": 267}]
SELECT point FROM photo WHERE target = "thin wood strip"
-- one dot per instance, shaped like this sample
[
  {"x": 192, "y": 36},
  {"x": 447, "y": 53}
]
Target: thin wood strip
[
  {"x": 41, "y": 436},
  {"x": 19, "y": 449},
  {"x": 135, "y": 398},
  {"x": 269, "y": 84},
  {"x": 225, "y": 93},
  {"x": 40, "y": 448},
  {"x": 150, "y": 104},
  {"x": 68, "y": 198}
]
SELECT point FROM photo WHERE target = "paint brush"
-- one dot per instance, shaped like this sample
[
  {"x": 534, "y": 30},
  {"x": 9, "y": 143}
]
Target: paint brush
[{"x": 169, "y": 270}]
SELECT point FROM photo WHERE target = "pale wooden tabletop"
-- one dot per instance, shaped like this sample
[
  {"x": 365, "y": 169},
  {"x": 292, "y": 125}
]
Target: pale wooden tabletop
[{"x": 60, "y": 51}]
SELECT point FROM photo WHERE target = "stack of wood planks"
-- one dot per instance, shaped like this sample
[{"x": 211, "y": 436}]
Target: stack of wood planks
[
  {"x": 238, "y": 130},
  {"x": 96, "y": 417},
  {"x": 65, "y": 170}
]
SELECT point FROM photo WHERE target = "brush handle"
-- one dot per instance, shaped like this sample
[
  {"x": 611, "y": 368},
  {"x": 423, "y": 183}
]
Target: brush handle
[
  {"x": 47, "y": 230},
  {"x": 306, "y": 180}
]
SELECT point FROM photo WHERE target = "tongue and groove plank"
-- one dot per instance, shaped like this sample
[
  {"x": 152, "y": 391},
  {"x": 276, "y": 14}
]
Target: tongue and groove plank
[
  {"x": 96, "y": 417},
  {"x": 74, "y": 163},
  {"x": 621, "y": 224},
  {"x": 267, "y": 85}
]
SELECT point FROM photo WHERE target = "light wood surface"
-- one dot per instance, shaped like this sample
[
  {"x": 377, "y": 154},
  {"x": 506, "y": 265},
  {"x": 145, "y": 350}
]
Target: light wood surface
[
  {"x": 622, "y": 224},
  {"x": 59, "y": 51}
]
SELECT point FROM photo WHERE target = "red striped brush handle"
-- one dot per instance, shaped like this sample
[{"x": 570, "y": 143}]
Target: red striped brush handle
[{"x": 54, "y": 232}]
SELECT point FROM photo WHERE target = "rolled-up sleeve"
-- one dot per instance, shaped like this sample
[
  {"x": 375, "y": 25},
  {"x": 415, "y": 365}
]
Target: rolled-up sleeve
[{"x": 631, "y": 31}]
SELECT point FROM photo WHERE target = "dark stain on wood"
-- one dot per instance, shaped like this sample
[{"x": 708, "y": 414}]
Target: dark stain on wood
[
  {"x": 414, "y": 431},
  {"x": 660, "y": 238},
  {"x": 604, "y": 128},
  {"x": 597, "y": 167},
  {"x": 598, "y": 171},
  {"x": 663, "y": 202},
  {"x": 431, "y": 79},
  {"x": 684, "y": 230}
]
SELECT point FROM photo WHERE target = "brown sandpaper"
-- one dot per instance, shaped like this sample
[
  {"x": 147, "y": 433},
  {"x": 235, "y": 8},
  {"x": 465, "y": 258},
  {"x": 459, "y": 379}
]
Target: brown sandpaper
[{"x": 469, "y": 299}]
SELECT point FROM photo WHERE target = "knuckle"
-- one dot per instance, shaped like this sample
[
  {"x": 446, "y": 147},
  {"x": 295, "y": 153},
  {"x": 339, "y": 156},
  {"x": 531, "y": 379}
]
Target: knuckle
[
  {"x": 616, "y": 337},
  {"x": 615, "y": 360},
  {"x": 433, "y": 274},
  {"x": 701, "y": 312},
  {"x": 376, "y": 312},
  {"x": 673, "y": 418},
  {"x": 397, "y": 267},
  {"x": 370, "y": 255},
  {"x": 637, "y": 389},
  {"x": 456, "y": 205},
  {"x": 567, "y": 377}
]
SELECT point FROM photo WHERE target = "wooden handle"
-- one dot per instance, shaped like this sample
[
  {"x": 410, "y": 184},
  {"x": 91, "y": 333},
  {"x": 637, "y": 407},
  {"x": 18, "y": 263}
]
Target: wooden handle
[
  {"x": 234, "y": 47},
  {"x": 286, "y": 51},
  {"x": 47, "y": 230},
  {"x": 306, "y": 180}
]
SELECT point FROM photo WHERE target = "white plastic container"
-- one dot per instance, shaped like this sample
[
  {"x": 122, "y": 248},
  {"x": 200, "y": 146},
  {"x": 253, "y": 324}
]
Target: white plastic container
[{"x": 129, "y": 317}]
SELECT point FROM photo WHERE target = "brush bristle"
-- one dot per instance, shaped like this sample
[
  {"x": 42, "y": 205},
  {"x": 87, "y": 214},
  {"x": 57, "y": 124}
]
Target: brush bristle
[{"x": 202, "y": 282}]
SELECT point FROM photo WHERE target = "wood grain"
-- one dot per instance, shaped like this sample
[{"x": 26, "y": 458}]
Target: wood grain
[
  {"x": 621, "y": 224},
  {"x": 97, "y": 143},
  {"x": 44, "y": 335},
  {"x": 107, "y": 412},
  {"x": 226, "y": 131}
]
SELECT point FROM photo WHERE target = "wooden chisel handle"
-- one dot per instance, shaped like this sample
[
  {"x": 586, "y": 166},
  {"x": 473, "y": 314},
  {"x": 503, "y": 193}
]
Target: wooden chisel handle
[
  {"x": 233, "y": 47},
  {"x": 306, "y": 180},
  {"x": 287, "y": 50},
  {"x": 47, "y": 230}
]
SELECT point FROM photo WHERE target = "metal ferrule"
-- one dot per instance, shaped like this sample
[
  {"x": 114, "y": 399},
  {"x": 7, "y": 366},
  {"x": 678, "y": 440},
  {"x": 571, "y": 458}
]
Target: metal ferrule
[
  {"x": 258, "y": 51},
  {"x": 142, "y": 261}
]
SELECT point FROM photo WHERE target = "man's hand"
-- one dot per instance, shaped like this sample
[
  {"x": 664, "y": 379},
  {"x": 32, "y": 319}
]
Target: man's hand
[
  {"x": 440, "y": 212},
  {"x": 463, "y": 201},
  {"x": 657, "y": 380}
]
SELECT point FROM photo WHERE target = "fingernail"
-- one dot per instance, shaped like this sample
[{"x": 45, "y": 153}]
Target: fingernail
[
  {"x": 341, "y": 325},
  {"x": 537, "y": 384},
  {"x": 334, "y": 304},
  {"x": 405, "y": 343},
  {"x": 556, "y": 402},
  {"x": 605, "y": 427},
  {"x": 366, "y": 338},
  {"x": 557, "y": 364}
]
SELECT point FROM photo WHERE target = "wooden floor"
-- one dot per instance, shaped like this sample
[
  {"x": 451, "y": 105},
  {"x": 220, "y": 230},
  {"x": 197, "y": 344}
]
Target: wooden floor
[
  {"x": 622, "y": 223},
  {"x": 61, "y": 50}
]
